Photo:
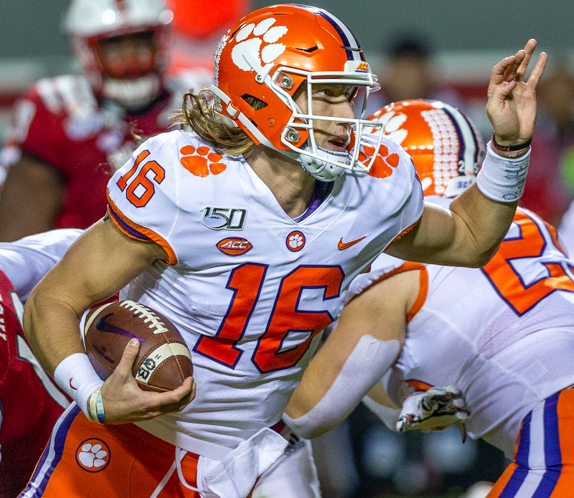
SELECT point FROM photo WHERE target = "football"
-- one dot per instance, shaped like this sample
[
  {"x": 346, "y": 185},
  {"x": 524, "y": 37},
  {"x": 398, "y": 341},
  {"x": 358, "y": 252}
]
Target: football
[{"x": 163, "y": 361}]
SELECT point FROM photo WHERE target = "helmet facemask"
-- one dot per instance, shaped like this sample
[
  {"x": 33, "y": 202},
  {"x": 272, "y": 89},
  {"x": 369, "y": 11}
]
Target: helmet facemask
[{"x": 321, "y": 163}]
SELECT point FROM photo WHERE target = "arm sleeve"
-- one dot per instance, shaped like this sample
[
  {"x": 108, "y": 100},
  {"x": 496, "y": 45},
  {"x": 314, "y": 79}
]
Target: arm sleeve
[{"x": 26, "y": 261}]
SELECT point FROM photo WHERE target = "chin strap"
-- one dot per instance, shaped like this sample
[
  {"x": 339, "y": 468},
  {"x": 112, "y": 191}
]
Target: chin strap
[{"x": 324, "y": 170}]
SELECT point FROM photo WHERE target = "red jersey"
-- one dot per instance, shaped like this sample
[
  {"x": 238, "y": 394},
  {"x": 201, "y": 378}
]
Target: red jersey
[
  {"x": 30, "y": 401},
  {"x": 60, "y": 121}
]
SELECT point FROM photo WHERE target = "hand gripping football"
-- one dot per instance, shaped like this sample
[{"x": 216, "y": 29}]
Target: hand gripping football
[{"x": 163, "y": 361}]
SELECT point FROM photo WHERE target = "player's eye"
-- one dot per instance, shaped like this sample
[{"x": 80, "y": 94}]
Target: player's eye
[{"x": 325, "y": 92}]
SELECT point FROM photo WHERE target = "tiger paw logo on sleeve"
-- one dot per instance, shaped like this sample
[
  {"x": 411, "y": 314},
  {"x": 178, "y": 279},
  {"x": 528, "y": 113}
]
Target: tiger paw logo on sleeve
[
  {"x": 385, "y": 162},
  {"x": 201, "y": 161}
]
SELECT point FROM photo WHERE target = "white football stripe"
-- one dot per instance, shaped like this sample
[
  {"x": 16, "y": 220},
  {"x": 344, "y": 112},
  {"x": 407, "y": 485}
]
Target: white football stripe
[
  {"x": 93, "y": 317},
  {"x": 159, "y": 355}
]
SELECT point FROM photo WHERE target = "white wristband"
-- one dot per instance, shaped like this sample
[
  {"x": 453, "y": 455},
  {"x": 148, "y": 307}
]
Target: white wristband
[
  {"x": 500, "y": 178},
  {"x": 77, "y": 377}
]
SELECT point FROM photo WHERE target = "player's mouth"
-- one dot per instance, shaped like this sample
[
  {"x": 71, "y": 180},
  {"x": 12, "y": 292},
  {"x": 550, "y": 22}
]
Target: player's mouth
[{"x": 338, "y": 144}]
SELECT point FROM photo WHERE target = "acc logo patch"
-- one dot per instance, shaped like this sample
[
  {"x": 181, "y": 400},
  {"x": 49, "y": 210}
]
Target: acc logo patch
[
  {"x": 234, "y": 246},
  {"x": 295, "y": 241},
  {"x": 93, "y": 455}
]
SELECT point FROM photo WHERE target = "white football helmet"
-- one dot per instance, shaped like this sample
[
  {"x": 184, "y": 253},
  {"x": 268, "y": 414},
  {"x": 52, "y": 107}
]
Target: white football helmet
[{"x": 131, "y": 83}]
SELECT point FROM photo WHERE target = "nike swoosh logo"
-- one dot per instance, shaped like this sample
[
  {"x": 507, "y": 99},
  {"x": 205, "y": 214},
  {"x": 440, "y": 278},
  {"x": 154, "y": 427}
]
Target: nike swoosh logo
[
  {"x": 345, "y": 245},
  {"x": 103, "y": 325},
  {"x": 71, "y": 386}
]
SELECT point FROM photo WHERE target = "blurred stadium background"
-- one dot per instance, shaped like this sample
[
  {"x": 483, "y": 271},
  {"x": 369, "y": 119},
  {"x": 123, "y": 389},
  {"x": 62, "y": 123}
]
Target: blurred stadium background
[{"x": 464, "y": 40}]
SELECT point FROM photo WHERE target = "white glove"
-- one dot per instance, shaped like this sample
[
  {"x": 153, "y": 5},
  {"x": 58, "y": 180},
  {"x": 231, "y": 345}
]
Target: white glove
[{"x": 433, "y": 410}]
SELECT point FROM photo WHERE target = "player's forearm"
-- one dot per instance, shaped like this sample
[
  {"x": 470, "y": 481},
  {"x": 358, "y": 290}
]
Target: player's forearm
[
  {"x": 52, "y": 328},
  {"x": 487, "y": 208},
  {"x": 320, "y": 404},
  {"x": 481, "y": 224},
  {"x": 32, "y": 196}
]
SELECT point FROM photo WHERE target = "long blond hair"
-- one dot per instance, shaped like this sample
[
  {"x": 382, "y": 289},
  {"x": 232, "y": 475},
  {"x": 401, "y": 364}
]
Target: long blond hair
[{"x": 198, "y": 112}]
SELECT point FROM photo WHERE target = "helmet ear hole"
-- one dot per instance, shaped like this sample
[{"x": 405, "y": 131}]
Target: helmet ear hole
[{"x": 253, "y": 102}]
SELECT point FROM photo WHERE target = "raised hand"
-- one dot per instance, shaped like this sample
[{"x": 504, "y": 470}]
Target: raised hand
[
  {"x": 511, "y": 106},
  {"x": 125, "y": 402}
]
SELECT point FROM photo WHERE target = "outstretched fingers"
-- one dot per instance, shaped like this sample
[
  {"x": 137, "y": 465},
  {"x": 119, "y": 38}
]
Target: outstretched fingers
[
  {"x": 538, "y": 70},
  {"x": 499, "y": 71},
  {"x": 512, "y": 71},
  {"x": 523, "y": 66}
]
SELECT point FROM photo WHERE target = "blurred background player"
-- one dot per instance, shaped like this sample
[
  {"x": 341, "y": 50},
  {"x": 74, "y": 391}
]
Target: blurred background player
[
  {"x": 503, "y": 335},
  {"x": 550, "y": 189},
  {"x": 70, "y": 133},
  {"x": 30, "y": 401}
]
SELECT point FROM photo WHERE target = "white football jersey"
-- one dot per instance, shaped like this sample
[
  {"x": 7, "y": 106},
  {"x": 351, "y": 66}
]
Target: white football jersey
[
  {"x": 249, "y": 288},
  {"x": 26, "y": 261},
  {"x": 503, "y": 334}
]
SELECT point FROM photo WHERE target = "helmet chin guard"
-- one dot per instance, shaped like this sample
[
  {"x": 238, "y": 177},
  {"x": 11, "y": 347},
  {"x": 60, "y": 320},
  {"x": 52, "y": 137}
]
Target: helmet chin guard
[
  {"x": 132, "y": 94},
  {"x": 324, "y": 164}
]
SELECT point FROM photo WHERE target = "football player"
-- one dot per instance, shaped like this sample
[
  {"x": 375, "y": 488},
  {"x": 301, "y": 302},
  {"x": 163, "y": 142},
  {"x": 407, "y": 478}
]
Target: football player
[
  {"x": 502, "y": 335},
  {"x": 70, "y": 133},
  {"x": 246, "y": 233},
  {"x": 30, "y": 402}
]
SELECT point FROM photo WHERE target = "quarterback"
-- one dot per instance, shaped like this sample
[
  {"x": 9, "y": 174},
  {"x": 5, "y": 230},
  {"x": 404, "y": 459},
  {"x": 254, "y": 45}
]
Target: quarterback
[
  {"x": 502, "y": 335},
  {"x": 246, "y": 232}
]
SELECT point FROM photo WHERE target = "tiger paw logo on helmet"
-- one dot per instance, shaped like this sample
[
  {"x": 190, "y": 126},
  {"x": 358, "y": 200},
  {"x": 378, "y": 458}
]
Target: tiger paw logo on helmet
[
  {"x": 201, "y": 161},
  {"x": 384, "y": 162},
  {"x": 258, "y": 39}
]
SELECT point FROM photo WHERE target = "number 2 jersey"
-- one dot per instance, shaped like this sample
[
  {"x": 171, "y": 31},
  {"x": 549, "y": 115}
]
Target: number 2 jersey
[
  {"x": 502, "y": 334},
  {"x": 249, "y": 288}
]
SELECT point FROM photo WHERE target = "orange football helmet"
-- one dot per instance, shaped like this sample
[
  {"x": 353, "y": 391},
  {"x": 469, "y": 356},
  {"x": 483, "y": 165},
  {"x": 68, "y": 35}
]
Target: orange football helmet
[
  {"x": 445, "y": 145},
  {"x": 266, "y": 57}
]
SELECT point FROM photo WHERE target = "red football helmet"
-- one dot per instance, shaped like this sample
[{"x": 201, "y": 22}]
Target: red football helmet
[
  {"x": 266, "y": 57},
  {"x": 130, "y": 81},
  {"x": 446, "y": 147}
]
